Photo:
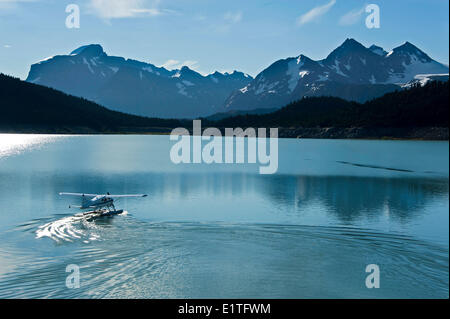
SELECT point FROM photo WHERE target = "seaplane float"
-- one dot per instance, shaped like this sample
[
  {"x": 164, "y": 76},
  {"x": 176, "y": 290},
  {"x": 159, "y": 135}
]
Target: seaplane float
[{"x": 99, "y": 205}]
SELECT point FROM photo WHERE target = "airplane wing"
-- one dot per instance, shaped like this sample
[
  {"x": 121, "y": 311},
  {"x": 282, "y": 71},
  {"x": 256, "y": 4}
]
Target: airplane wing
[
  {"x": 78, "y": 194},
  {"x": 107, "y": 195},
  {"x": 121, "y": 196}
]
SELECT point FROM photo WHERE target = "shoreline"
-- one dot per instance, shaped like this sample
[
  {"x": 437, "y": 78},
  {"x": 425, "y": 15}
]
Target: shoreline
[
  {"x": 361, "y": 133},
  {"x": 364, "y": 133}
]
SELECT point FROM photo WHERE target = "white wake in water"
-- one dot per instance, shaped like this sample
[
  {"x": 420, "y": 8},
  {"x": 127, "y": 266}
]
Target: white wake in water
[{"x": 71, "y": 228}]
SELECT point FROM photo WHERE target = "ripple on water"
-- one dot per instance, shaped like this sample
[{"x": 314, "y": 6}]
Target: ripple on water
[{"x": 123, "y": 257}]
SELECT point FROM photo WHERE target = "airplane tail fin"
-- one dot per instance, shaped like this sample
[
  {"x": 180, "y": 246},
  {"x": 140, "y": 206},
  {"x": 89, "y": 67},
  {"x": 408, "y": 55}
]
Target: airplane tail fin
[{"x": 84, "y": 201}]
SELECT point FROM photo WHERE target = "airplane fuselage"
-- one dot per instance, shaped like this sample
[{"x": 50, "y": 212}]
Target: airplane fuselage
[{"x": 96, "y": 202}]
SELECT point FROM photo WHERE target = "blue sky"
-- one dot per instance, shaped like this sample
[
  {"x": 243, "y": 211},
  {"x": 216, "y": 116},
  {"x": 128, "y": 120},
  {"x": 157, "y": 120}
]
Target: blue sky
[{"x": 212, "y": 35}]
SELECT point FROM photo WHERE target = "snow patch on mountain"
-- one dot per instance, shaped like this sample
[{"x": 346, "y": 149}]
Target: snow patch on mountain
[
  {"x": 323, "y": 78},
  {"x": 182, "y": 89},
  {"x": 188, "y": 83},
  {"x": 148, "y": 69},
  {"x": 415, "y": 68},
  {"x": 89, "y": 66},
  {"x": 293, "y": 72},
  {"x": 378, "y": 50},
  {"x": 114, "y": 69},
  {"x": 244, "y": 89},
  {"x": 423, "y": 79},
  {"x": 263, "y": 86},
  {"x": 337, "y": 68},
  {"x": 45, "y": 60}
]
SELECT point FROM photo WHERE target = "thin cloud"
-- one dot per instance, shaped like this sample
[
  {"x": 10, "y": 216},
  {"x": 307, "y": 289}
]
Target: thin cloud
[
  {"x": 233, "y": 17},
  {"x": 229, "y": 71},
  {"x": 11, "y": 1},
  {"x": 172, "y": 64},
  {"x": 12, "y": 4},
  {"x": 16, "y": 1},
  {"x": 199, "y": 17},
  {"x": 190, "y": 64},
  {"x": 116, "y": 9},
  {"x": 6, "y": 46},
  {"x": 229, "y": 19},
  {"x": 315, "y": 13},
  {"x": 352, "y": 17},
  {"x": 169, "y": 64}
]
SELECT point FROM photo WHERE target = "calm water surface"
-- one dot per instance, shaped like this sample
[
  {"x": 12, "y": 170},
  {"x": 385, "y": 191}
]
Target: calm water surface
[{"x": 223, "y": 231}]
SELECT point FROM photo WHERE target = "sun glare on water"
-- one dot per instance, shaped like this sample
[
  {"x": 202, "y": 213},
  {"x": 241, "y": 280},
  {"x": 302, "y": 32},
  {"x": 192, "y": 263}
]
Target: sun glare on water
[{"x": 13, "y": 144}]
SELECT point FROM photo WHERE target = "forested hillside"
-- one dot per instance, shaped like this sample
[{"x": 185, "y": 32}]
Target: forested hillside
[
  {"x": 414, "y": 107},
  {"x": 28, "y": 105}
]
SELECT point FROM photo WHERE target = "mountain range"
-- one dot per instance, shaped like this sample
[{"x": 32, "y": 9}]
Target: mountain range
[
  {"x": 415, "y": 112},
  {"x": 351, "y": 71},
  {"x": 136, "y": 87}
]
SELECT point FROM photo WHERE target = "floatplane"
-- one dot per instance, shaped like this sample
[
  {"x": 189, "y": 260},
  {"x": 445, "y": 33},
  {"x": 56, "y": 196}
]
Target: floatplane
[{"x": 102, "y": 204}]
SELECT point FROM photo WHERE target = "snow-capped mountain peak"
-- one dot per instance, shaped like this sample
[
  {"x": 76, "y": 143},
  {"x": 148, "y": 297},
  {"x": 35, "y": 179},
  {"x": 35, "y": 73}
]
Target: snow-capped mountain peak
[
  {"x": 350, "y": 46},
  {"x": 92, "y": 50},
  {"x": 411, "y": 52},
  {"x": 133, "y": 86},
  {"x": 407, "y": 61},
  {"x": 351, "y": 71}
]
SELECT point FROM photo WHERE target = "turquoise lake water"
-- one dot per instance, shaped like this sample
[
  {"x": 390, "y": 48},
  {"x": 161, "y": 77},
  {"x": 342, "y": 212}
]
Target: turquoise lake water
[{"x": 225, "y": 231}]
